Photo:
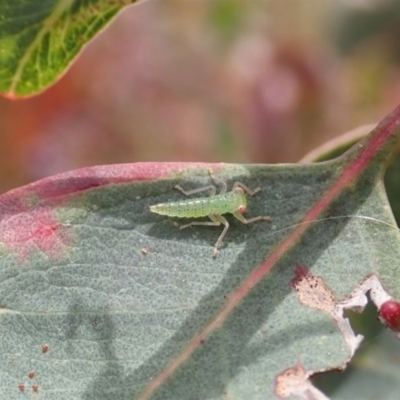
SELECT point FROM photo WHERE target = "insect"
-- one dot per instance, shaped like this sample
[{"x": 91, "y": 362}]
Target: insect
[{"x": 233, "y": 202}]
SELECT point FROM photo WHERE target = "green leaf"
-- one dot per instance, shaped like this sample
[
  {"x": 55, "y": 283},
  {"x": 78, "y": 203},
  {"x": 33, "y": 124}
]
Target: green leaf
[
  {"x": 40, "y": 38},
  {"x": 131, "y": 307}
]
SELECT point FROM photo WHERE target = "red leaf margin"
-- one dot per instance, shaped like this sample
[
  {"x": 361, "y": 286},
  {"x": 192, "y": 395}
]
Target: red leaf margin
[{"x": 28, "y": 219}]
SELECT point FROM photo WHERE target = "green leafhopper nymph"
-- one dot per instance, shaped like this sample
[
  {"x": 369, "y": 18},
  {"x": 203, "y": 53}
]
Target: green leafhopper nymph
[{"x": 233, "y": 202}]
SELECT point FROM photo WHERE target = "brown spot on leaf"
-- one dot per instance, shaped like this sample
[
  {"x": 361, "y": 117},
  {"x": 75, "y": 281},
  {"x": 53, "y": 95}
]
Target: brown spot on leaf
[
  {"x": 21, "y": 387},
  {"x": 45, "y": 348},
  {"x": 294, "y": 381},
  {"x": 31, "y": 374},
  {"x": 312, "y": 290},
  {"x": 35, "y": 388}
]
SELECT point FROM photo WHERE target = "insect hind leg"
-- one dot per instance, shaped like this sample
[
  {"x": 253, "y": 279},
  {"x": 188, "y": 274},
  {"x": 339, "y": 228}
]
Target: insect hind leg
[
  {"x": 211, "y": 188},
  {"x": 219, "y": 180}
]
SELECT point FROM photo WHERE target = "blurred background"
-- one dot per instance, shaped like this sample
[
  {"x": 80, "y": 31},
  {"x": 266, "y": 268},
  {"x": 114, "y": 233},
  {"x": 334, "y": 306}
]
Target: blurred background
[{"x": 210, "y": 80}]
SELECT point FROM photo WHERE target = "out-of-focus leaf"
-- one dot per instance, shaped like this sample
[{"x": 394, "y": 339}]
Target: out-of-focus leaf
[
  {"x": 131, "y": 307},
  {"x": 337, "y": 146},
  {"x": 358, "y": 25},
  {"x": 40, "y": 38}
]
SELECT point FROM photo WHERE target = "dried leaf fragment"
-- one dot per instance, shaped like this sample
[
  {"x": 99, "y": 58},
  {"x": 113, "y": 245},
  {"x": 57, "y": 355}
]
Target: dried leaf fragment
[{"x": 295, "y": 381}]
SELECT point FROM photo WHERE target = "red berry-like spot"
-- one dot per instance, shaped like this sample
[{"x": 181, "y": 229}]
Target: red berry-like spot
[
  {"x": 45, "y": 348},
  {"x": 389, "y": 314},
  {"x": 31, "y": 374},
  {"x": 21, "y": 387},
  {"x": 35, "y": 388}
]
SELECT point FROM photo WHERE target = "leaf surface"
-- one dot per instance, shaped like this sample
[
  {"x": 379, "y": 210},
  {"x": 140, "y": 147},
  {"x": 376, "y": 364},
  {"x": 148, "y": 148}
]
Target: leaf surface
[{"x": 131, "y": 307}]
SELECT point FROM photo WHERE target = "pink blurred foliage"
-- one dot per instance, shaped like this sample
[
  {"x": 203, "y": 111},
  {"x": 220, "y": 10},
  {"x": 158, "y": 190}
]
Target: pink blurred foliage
[{"x": 164, "y": 82}]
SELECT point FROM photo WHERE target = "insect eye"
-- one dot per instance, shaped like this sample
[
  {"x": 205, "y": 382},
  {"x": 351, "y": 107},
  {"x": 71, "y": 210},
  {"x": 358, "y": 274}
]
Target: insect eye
[{"x": 242, "y": 209}]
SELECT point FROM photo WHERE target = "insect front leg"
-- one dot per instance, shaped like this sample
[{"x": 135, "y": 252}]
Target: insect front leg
[
  {"x": 242, "y": 219},
  {"x": 246, "y": 189}
]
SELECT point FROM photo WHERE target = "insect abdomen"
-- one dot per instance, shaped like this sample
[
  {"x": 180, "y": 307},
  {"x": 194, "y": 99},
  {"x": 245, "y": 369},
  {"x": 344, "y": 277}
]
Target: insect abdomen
[{"x": 184, "y": 209}]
